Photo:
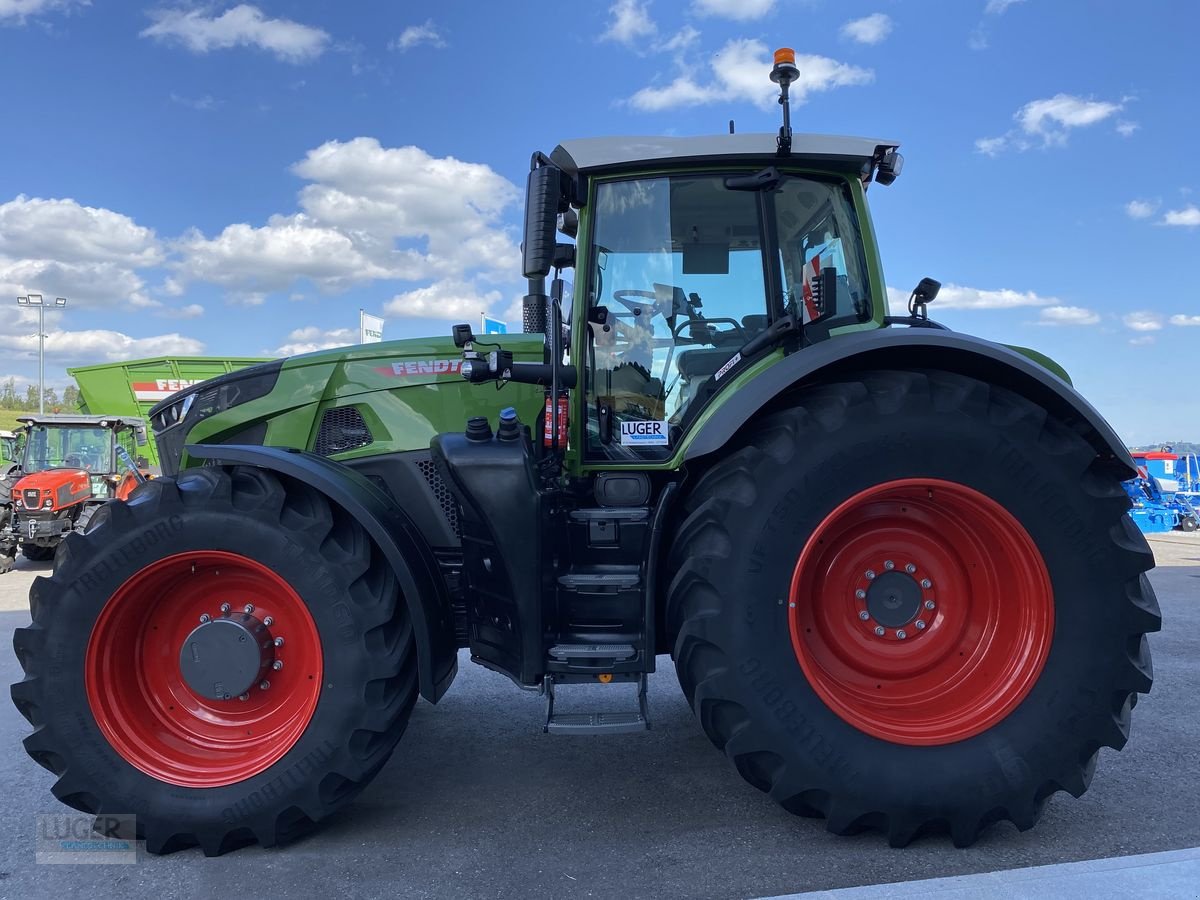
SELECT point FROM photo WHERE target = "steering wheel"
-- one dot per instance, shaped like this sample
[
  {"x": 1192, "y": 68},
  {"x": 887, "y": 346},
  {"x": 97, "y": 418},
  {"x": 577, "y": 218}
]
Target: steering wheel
[
  {"x": 738, "y": 328},
  {"x": 627, "y": 299}
]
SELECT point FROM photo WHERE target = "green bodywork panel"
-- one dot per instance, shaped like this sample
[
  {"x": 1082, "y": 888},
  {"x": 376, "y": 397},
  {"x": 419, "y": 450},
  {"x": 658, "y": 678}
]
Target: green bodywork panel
[{"x": 407, "y": 391}]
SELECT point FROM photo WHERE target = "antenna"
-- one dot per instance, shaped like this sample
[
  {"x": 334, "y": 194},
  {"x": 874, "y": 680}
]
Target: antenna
[{"x": 783, "y": 74}]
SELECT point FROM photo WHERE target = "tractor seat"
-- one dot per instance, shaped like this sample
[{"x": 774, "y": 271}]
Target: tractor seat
[{"x": 701, "y": 364}]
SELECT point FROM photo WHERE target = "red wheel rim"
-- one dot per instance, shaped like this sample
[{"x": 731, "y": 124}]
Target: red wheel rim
[
  {"x": 139, "y": 696},
  {"x": 981, "y": 605}
]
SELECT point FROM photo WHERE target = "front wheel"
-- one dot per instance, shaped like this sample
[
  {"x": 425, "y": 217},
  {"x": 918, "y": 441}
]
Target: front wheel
[
  {"x": 35, "y": 553},
  {"x": 1187, "y": 523},
  {"x": 912, "y": 601},
  {"x": 226, "y": 656}
]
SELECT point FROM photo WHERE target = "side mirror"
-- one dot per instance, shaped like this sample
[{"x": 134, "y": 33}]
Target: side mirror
[{"x": 544, "y": 200}]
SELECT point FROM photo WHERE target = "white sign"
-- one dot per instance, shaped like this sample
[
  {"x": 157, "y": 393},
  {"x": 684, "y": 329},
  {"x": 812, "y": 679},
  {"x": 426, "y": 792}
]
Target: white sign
[
  {"x": 370, "y": 328},
  {"x": 644, "y": 433}
]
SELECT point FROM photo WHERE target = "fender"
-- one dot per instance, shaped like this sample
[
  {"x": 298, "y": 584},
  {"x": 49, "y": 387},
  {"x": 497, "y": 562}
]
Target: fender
[
  {"x": 391, "y": 528},
  {"x": 922, "y": 348}
]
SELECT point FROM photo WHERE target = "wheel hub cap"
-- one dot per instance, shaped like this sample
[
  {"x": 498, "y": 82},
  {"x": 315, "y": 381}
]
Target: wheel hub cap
[
  {"x": 894, "y": 599},
  {"x": 224, "y": 658}
]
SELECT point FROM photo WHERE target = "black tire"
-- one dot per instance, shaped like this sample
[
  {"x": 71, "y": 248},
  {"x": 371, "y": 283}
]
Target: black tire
[
  {"x": 745, "y": 521},
  {"x": 1187, "y": 523},
  {"x": 34, "y": 553},
  {"x": 370, "y": 673}
]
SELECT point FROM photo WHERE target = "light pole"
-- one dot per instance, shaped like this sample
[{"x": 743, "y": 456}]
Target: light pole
[{"x": 36, "y": 300}]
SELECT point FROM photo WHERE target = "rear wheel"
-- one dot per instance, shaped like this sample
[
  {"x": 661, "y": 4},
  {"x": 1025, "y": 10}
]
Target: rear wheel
[
  {"x": 1187, "y": 523},
  {"x": 912, "y": 601},
  {"x": 241, "y": 662}
]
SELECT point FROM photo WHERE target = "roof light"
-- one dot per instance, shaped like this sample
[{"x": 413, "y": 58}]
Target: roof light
[{"x": 785, "y": 55}]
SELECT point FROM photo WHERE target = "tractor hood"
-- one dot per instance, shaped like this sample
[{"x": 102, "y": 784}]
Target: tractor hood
[
  {"x": 62, "y": 487},
  {"x": 392, "y": 396}
]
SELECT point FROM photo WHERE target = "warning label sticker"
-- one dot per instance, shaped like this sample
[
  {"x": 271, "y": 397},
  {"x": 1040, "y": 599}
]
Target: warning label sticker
[{"x": 651, "y": 433}]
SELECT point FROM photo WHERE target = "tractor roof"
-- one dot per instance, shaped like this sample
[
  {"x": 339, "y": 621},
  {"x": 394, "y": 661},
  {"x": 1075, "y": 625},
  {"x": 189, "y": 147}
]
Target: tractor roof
[
  {"x": 597, "y": 154},
  {"x": 69, "y": 419}
]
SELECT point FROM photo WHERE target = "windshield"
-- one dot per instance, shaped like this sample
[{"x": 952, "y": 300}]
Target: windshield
[
  {"x": 678, "y": 275},
  {"x": 55, "y": 447}
]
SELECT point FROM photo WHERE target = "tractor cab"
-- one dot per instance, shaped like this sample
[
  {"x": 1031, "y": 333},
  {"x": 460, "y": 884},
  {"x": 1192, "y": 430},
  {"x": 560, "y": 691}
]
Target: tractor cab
[{"x": 11, "y": 444}]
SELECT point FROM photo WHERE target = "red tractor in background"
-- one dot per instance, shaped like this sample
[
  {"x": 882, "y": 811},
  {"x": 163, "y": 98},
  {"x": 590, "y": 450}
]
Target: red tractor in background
[{"x": 71, "y": 464}]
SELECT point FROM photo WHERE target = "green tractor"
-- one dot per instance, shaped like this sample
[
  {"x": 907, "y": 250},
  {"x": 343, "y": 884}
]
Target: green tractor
[{"x": 891, "y": 563}]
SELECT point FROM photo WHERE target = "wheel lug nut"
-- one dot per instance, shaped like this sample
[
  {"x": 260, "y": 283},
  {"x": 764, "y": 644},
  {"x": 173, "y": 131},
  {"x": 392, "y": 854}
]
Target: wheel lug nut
[
  {"x": 870, "y": 574},
  {"x": 225, "y": 608},
  {"x": 204, "y": 618},
  {"x": 243, "y": 697},
  {"x": 860, "y": 594},
  {"x": 263, "y": 685},
  {"x": 248, "y": 608},
  {"x": 268, "y": 621},
  {"x": 278, "y": 642},
  {"x": 864, "y": 615},
  {"x": 889, "y": 565},
  {"x": 879, "y": 630},
  {"x": 277, "y": 665},
  {"x": 902, "y": 634},
  {"x": 910, "y": 568},
  {"x": 920, "y": 623},
  {"x": 926, "y": 583},
  {"x": 929, "y": 604}
]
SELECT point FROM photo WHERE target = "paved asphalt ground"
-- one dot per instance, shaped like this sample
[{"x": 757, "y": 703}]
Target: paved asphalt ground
[{"x": 477, "y": 802}]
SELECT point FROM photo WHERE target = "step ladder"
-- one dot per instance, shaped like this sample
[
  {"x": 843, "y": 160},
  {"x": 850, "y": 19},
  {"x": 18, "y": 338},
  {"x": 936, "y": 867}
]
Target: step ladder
[{"x": 595, "y": 723}]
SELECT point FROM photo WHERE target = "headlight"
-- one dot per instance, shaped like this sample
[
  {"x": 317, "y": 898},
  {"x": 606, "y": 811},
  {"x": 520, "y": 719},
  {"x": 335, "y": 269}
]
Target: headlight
[{"x": 47, "y": 504}]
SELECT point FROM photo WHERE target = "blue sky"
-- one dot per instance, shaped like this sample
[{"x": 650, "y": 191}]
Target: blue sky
[{"x": 240, "y": 179}]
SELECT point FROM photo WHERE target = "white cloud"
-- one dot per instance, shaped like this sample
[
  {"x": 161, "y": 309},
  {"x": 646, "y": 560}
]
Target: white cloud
[
  {"x": 682, "y": 40},
  {"x": 629, "y": 20},
  {"x": 1189, "y": 216},
  {"x": 872, "y": 29},
  {"x": 738, "y": 10},
  {"x": 415, "y": 35},
  {"x": 448, "y": 299},
  {"x": 368, "y": 213},
  {"x": 738, "y": 72},
  {"x": 60, "y": 248},
  {"x": 1142, "y": 340},
  {"x": 307, "y": 340},
  {"x": 1048, "y": 122},
  {"x": 1143, "y": 320},
  {"x": 1126, "y": 128},
  {"x": 16, "y": 12},
  {"x": 241, "y": 26},
  {"x": 1068, "y": 315},
  {"x": 205, "y": 103},
  {"x": 101, "y": 345},
  {"x": 1052, "y": 116},
  {"x": 1186, "y": 321},
  {"x": 191, "y": 311},
  {"x": 999, "y": 7},
  {"x": 955, "y": 296},
  {"x": 1140, "y": 209},
  {"x": 991, "y": 146}
]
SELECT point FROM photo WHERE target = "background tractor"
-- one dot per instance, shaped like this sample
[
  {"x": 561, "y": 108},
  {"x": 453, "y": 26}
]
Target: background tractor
[
  {"x": 892, "y": 564},
  {"x": 69, "y": 466}
]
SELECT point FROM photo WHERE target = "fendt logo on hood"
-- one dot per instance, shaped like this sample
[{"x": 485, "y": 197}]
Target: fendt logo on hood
[{"x": 421, "y": 368}]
